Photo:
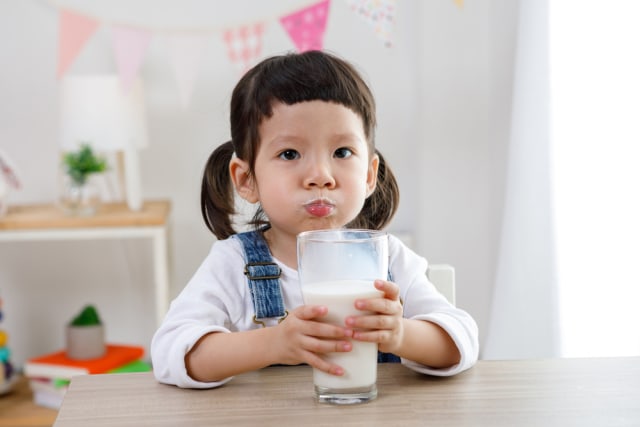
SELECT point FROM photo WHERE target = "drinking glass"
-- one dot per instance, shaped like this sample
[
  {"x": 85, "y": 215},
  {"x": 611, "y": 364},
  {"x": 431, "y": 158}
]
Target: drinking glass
[{"x": 336, "y": 267}]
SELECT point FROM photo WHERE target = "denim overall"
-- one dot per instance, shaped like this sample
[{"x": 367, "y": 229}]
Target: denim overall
[{"x": 263, "y": 276}]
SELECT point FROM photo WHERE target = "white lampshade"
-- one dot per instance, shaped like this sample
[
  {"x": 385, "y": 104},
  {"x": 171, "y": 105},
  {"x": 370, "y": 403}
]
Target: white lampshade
[{"x": 96, "y": 110}]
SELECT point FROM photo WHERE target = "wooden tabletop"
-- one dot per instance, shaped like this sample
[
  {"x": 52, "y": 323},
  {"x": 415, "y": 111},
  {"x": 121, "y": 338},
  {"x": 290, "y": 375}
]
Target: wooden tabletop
[
  {"x": 547, "y": 392},
  {"x": 30, "y": 217},
  {"x": 18, "y": 409}
]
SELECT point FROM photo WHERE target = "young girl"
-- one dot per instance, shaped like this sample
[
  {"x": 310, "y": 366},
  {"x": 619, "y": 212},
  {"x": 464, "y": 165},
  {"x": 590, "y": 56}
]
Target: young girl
[{"x": 302, "y": 150}]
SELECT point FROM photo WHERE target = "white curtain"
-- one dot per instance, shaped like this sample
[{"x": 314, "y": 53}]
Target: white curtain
[
  {"x": 524, "y": 315},
  {"x": 595, "y": 110},
  {"x": 567, "y": 279}
]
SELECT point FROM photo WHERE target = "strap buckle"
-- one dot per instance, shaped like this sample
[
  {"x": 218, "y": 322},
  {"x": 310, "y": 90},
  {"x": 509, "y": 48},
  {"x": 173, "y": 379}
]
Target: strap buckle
[
  {"x": 261, "y": 322},
  {"x": 262, "y": 271}
]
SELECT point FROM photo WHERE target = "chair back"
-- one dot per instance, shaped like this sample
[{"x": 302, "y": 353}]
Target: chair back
[{"x": 443, "y": 277}]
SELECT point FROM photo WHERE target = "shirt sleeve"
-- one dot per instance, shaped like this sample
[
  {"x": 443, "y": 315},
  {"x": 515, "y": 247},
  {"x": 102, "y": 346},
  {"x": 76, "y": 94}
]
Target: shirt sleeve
[
  {"x": 206, "y": 304},
  {"x": 422, "y": 301}
]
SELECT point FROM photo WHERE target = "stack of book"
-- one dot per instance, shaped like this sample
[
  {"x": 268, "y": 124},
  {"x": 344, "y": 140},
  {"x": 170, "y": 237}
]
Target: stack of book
[{"x": 49, "y": 375}]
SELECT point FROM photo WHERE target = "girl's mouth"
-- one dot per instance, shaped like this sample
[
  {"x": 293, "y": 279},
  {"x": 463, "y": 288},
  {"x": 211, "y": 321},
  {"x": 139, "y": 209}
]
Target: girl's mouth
[{"x": 319, "y": 208}]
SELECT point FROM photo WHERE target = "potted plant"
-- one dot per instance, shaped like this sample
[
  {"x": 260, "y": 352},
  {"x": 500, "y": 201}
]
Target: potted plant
[
  {"x": 81, "y": 198},
  {"x": 85, "y": 335}
]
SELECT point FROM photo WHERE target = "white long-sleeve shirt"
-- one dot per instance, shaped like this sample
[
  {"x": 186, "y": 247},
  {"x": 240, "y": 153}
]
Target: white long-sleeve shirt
[{"x": 217, "y": 299}]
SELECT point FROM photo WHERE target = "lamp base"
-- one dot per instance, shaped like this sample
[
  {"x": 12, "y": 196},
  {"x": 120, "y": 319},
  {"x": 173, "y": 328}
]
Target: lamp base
[{"x": 132, "y": 179}]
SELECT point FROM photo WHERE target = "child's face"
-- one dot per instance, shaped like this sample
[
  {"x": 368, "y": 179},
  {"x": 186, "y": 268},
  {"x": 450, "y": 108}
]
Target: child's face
[{"x": 313, "y": 169}]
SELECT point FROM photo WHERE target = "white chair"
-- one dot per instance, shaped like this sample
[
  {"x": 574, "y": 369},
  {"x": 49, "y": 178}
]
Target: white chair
[{"x": 443, "y": 277}]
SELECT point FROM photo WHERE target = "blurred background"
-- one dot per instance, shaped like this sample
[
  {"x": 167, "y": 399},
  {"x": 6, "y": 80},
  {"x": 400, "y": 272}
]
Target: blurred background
[{"x": 451, "y": 79}]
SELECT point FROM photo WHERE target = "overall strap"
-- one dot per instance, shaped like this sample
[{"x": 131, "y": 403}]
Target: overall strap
[{"x": 263, "y": 276}]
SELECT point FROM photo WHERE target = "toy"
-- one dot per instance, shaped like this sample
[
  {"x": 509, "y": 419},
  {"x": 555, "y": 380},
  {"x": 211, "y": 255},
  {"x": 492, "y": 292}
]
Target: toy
[
  {"x": 8, "y": 180},
  {"x": 7, "y": 373}
]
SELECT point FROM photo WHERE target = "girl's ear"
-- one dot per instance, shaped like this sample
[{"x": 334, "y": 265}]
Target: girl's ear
[
  {"x": 372, "y": 174},
  {"x": 243, "y": 180}
]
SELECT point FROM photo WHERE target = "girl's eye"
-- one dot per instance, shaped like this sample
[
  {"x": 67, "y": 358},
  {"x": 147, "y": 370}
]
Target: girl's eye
[
  {"x": 289, "y": 155},
  {"x": 343, "y": 153}
]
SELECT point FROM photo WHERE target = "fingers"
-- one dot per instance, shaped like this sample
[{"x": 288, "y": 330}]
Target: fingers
[
  {"x": 390, "y": 289},
  {"x": 371, "y": 322},
  {"x": 310, "y": 312},
  {"x": 324, "y": 346},
  {"x": 324, "y": 365},
  {"x": 389, "y": 304},
  {"x": 314, "y": 327},
  {"x": 381, "y": 336},
  {"x": 306, "y": 339},
  {"x": 381, "y": 320}
]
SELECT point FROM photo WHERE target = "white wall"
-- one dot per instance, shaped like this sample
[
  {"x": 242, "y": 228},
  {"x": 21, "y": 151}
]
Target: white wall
[
  {"x": 467, "y": 66},
  {"x": 443, "y": 95}
]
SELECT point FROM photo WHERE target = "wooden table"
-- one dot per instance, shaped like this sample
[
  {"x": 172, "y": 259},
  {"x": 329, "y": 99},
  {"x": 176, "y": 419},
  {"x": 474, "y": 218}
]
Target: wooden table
[
  {"x": 548, "y": 392},
  {"x": 17, "y": 408},
  {"x": 112, "y": 221}
]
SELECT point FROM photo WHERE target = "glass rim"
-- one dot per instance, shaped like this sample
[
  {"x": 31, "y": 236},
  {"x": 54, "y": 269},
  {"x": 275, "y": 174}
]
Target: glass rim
[{"x": 338, "y": 235}]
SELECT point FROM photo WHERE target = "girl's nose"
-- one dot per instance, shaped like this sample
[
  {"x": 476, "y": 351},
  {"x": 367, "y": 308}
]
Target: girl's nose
[{"x": 318, "y": 175}]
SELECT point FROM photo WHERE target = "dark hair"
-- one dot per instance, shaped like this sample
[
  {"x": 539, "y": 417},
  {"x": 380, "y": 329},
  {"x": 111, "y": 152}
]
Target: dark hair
[{"x": 291, "y": 78}]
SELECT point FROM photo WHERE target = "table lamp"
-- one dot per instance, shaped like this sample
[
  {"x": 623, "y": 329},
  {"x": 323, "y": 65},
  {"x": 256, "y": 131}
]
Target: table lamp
[{"x": 97, "y": 110}]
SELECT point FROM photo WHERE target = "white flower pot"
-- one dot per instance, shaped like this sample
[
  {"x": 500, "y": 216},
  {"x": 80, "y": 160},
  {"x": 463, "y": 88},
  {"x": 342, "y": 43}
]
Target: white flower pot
[{"x": 85, "y": 342}]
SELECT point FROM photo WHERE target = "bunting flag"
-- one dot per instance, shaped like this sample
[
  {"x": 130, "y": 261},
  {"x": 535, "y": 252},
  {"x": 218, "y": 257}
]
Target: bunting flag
[
  {"x": 380, "y": 14},
  {"x": 244, "y": 44},
  {"x": 184, "y": 53},
  {"x": 306, "y": 27},
  {"x": 130, "y": 45},
  {"x": 73, "y": 33}
]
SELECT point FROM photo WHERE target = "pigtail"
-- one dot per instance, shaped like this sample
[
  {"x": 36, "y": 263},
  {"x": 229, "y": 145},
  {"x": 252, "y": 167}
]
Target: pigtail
[
  {"x": 217, "y": 195},
  {"x": 381, "y": 206}
]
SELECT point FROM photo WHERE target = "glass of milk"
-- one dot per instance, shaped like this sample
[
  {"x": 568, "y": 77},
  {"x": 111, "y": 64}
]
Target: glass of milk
[{"x": 336, "y": 267}]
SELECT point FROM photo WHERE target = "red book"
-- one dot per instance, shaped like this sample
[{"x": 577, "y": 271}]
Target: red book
[{"x": 58, "y": 365}]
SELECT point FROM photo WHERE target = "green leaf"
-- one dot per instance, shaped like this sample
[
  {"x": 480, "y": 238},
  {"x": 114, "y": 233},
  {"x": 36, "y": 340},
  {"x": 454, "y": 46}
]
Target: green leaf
[
  {"x": 88, "y": 316},
  {"x": 80, "y": 164}
]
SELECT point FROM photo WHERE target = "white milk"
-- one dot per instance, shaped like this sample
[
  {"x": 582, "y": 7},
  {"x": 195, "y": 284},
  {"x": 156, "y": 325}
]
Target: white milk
[{"x": 360, "y": 364}]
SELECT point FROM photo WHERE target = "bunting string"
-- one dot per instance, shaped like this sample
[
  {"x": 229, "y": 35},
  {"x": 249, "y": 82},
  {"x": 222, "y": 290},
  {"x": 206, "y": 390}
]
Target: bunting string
[{"x": 305, "y": 27}]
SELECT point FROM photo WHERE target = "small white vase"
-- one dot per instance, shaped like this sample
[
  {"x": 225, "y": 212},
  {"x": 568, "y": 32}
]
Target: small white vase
[
  {"x": 80, "y": 199},
  {"x": 85, "y": 342}
]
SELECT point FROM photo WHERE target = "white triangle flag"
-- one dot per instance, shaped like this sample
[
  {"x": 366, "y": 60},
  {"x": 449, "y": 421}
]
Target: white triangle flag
[{"x": 185, "y": 54}]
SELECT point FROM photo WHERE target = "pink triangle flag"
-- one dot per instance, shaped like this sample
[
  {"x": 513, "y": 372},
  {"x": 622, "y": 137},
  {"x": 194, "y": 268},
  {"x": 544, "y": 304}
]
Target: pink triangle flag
[
  {"x": 306, "y": 27},
  {"x": 380, "y": 14},
  {"x": 73, "y": 33},
  {"x": 244, "y": 44},
  {"x": 185, "y": 53},
  {"x": 130, "y": 45}
]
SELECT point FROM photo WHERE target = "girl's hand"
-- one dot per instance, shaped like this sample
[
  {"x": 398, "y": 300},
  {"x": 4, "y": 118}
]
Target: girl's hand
[
  {"x": 384, "y": 324},
  {"x": 302, "y": 338}
]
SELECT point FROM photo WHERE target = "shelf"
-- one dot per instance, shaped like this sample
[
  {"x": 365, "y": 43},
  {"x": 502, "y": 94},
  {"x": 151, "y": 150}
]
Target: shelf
[{"x": 30, "y": 217}]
